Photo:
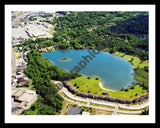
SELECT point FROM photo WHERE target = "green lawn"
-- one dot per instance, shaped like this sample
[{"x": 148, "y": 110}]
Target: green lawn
[
  {"x": 136, "y": 61},
  {"x": 142, "y": 76},
  {"x": 130, "y": 94},
  {"x": 85, "y": 85}
]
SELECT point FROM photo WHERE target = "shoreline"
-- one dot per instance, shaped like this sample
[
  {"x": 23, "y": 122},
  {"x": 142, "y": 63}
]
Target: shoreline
[
  {"x": 107, "y": 89},
  {"x": 115, "y": 54}
]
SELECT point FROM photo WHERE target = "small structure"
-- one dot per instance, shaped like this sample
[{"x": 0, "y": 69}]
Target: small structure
[
  {"x": 21, "y": 80},
  {"x": 21, "y": 67},
  {"x": 74, "y": 110},
  {"x": 59, "y": 85},
  {"x": 85, "y": 113}
]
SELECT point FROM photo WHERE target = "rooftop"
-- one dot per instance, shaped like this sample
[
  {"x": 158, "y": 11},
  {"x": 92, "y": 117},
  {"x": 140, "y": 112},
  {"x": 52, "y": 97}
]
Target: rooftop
[
  {"x": 23, "y": 94},
  {"x": 22, "y": 99},
  {"x": 74, "y": 110}
]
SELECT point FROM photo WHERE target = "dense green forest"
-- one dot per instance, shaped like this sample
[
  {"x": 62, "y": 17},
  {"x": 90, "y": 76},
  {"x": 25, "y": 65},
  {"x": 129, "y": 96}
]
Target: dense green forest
[
  {"x": 100, "y": 30},
  {"x": 116, "y": 31},
  {"x": 125, "y": 32},
  {"x": 41, "y": 71},
  {"x": 137, "y": 25}
]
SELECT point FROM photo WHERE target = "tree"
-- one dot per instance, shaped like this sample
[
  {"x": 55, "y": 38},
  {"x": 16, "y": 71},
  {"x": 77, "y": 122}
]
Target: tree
[
  {"x": 34, "y": 106},
  {"x": 145, "y": 112},
  {"x": 97, "y": 78},
  {"x": 146, "y": 68}
]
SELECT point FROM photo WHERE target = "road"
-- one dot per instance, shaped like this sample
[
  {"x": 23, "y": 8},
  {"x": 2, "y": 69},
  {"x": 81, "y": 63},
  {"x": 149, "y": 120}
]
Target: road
[
  {"x": 71, "y": 97},
  {"x": 12, "y": 62},
  {"x": 130, "y": 107},
  {"x": 102, "y": 108}
]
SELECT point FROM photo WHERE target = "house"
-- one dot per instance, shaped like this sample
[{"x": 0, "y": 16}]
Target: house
[
  {"x": 21, "y": 41},
  {"x": 21, "y": 80},
  {"x": 21, "y": 67},
  {"x": 74, "y": 110}
]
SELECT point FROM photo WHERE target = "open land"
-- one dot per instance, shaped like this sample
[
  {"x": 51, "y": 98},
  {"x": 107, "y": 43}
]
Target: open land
[{"x": 83, "y": 84}]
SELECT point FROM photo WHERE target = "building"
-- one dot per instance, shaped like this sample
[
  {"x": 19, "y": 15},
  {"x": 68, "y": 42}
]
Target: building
[
  {"x": 74, "y": 110},
  {"x": 47, "y": 25},
  {"x": 22, "y": 99},
  {"x": 21, "y": 67},
  {"x": 85, "y": 113},
  {"x": 21, "y": 80}
]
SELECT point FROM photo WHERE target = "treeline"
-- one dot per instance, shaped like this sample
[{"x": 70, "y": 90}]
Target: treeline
[
  {"x": 137, "y": 25},
  {"x": 100, "y": 97},
  {"x": 41, "y": 71},
  {"x": 90, "y": 30}
]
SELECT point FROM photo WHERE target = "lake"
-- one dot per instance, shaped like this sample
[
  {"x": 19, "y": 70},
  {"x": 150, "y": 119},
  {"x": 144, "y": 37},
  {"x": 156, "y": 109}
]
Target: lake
[{"x": 115, "y": 71}]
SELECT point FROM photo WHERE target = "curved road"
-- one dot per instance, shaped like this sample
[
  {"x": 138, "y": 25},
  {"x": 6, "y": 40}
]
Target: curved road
[{"x": 116, "y": 105}]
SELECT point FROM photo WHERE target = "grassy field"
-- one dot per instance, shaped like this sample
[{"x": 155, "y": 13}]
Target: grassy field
[
  {"x": 142, "y": 76},
  {"x": 86, "y": 85},
  {"x": 130, "y": 94},
  {"x": 83, "y": 84},
  {"x": 134, "y": 60}
]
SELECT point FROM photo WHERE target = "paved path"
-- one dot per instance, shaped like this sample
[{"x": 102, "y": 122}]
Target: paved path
[
  {"x": 115, "y": 110},
  {"x": 102, "y": 108},
  {"x": 131, "y": 107},
  {"x": 88, "y": 101},
  {"x": 101, "y": 86}
]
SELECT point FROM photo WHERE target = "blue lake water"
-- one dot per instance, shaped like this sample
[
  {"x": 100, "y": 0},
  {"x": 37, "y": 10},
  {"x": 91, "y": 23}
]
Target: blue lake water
[{"x": 115, "y": 71}]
